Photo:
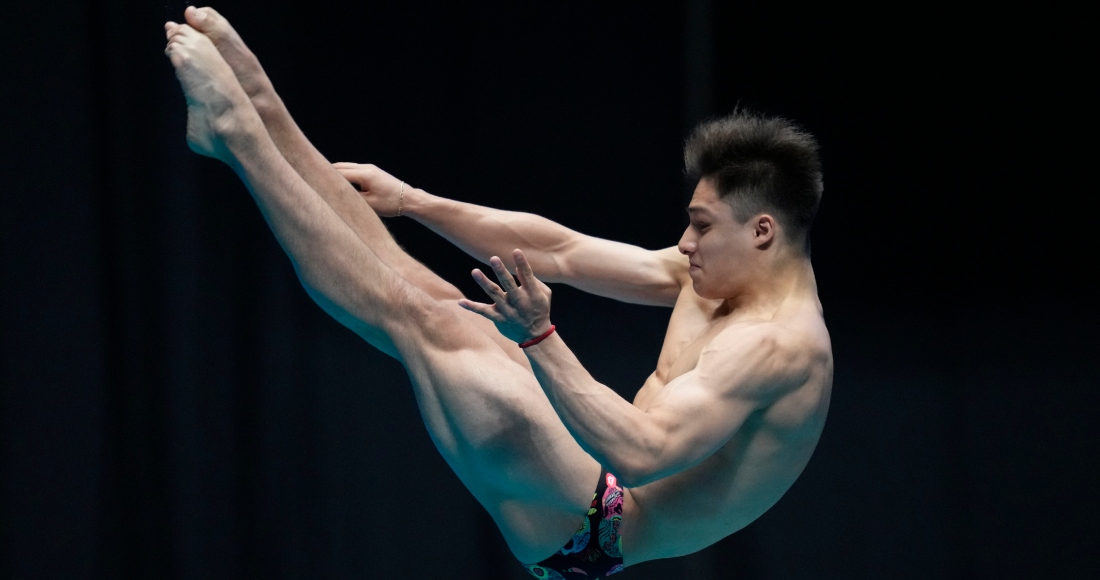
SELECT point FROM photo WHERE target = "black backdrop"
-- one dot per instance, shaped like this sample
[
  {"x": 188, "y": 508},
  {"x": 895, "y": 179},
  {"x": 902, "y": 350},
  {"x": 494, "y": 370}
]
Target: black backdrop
[{"x": 174, "y": 406}]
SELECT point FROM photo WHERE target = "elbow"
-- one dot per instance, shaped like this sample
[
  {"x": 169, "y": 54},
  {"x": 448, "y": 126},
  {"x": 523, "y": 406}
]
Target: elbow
[
  {"x": 559, "y": 262},
  {"x": 650, "y": 458},
  {"x": 635, "y": 472}
]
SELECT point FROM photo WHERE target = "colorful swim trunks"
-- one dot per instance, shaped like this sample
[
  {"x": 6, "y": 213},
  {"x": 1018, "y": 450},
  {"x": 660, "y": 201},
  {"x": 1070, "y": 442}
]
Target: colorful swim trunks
[{"x": 596, "y": 550}]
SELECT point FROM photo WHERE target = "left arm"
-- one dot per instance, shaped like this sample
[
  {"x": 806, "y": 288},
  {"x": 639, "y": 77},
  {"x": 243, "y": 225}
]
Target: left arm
[{"x": 688, "y": 420}]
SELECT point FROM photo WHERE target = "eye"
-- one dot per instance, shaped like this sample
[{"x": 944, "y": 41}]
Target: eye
[{"x": 700, "y": 226}]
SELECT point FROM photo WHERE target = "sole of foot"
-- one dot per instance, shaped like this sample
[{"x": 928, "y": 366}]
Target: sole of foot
[{"x": 214, "y": 97}]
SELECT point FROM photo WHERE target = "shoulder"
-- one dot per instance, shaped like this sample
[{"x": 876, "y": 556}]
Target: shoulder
[{"x": 765, "y": 360}]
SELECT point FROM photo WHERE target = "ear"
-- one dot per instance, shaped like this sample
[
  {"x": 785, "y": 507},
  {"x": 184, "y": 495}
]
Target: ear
[{"x": 764, "y": 230}]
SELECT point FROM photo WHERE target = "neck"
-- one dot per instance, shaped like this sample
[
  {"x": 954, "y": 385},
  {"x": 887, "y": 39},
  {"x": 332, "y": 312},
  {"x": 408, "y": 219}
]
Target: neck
[{"x": 777, "y": 282}]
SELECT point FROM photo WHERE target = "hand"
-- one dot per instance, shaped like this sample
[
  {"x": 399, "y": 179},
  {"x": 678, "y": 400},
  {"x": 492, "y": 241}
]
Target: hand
[
  {"x": 519, "y": 312},
  {"x": 381, "y": 190}
]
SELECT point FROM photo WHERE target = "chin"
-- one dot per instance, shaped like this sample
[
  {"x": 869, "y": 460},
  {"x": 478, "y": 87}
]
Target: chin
[
  {"x": 701, "y": 290},
  {"x": 709, "y": 292}
]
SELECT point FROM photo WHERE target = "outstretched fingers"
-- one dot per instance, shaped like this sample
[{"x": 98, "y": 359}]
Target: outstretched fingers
[
  {"x": 506, "y": 281},
  {"x": 516, "y": 310},
  {"x": 524, "y": 271},
  {"x": 497, "y": 293},
  {"x": 494, "y": 292},
  {"x": 487, "y": 310}
]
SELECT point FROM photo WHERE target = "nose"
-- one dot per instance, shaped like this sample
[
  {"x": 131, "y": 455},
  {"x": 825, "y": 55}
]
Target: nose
[{"x": 687, "y": 244}]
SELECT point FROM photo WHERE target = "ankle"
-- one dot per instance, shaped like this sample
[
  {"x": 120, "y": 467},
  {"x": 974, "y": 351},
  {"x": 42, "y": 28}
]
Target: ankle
[
  {"x": 266, "y": 102},
  {"x": 236, "y": 123}
]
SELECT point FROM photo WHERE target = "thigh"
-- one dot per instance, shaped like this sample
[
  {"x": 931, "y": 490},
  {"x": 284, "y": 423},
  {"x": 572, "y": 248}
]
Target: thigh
[
  {"x": 447, "y": 294},
  {"x": 486, "y": 327},
  {"x": 494, "y": 425}
]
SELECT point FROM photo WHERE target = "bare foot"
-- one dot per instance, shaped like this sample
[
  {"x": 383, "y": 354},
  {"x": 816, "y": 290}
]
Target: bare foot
[
  {"x": 243, "y": 62},
  {"x": 217, "y": 106}
]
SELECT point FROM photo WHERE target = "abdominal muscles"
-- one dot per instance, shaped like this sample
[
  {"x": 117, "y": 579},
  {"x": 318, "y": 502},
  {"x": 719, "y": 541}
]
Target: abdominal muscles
[{"x": 691, "y": 510}]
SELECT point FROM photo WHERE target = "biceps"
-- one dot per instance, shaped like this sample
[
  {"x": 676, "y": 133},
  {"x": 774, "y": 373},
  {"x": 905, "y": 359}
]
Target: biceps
[
  {"x": 694, "y": 429},
  {"x": 623, "y": 272}
]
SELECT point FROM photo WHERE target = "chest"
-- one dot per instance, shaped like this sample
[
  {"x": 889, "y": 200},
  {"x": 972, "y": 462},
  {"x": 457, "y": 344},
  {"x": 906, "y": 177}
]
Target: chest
[{"x": 693, "y": 324}]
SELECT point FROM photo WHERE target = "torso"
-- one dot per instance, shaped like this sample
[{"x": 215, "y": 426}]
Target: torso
[{"x": 695, "y": 508}]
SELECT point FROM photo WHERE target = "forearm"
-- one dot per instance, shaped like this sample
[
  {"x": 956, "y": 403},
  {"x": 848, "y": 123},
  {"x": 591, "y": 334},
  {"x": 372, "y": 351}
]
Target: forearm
[
  {"x": 619, "y": 435},
  {"x": 483, "y": 232}
]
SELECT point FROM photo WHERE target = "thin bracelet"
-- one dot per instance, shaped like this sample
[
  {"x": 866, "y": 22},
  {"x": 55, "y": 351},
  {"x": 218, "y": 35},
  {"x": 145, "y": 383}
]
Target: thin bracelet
[
  {"x": 538, "y": 338},
  {"x": 401, "y": 199}
]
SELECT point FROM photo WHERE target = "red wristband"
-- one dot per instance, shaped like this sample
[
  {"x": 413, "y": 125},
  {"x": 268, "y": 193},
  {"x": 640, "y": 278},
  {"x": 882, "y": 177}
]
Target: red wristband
[{"x": 538, "y": 338}]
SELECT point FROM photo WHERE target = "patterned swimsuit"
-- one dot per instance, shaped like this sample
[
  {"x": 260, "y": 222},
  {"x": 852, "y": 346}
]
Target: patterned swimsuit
[{"x": 596, "y": 550}]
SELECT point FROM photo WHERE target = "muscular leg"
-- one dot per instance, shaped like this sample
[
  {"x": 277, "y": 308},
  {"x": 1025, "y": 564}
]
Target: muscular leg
[
  {"x": 309, "y": 163},
  {"x": 486, "y": 414}
]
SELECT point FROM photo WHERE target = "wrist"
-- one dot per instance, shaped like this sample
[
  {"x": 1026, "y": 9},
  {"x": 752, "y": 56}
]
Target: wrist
[
  {"x": 416, "y": 203},
  {"x": 537, "y": 338}
]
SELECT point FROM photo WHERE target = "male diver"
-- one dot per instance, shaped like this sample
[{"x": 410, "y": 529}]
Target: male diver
[{"x": 580, "y": 481}]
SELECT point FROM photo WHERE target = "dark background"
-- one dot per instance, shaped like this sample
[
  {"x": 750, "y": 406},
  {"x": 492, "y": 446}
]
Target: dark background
[{"x": 174, "y": 406}]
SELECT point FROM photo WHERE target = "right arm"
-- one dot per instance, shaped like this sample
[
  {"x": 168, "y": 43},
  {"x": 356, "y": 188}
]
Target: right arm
[{"x": 602, "y": 267}]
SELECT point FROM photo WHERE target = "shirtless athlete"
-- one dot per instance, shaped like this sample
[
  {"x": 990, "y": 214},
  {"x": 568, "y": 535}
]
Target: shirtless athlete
[{"x": 719, "y": 431}]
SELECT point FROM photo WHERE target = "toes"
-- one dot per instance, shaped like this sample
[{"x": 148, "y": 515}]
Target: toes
[
  {"x": 183, "y": 36},
  {"x": 177, "y": 33},
  {"x": 176, "y": 57},
  {"x": 185, "y": 31},
  {"x": 198, "y": 17},
  {"x": 212, "y": 16},
  {"x": 194, "y": 15},
  {"x": 205, "y": 19},
  {"x": 170, "y": 29}
]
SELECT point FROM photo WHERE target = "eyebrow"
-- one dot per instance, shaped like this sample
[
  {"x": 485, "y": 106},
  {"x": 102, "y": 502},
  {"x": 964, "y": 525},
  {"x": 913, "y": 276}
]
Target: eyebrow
[{"x": 697, "y": 209}]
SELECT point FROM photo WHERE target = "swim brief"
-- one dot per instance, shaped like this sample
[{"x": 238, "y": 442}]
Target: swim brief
[{"x": 596, "y": 550}]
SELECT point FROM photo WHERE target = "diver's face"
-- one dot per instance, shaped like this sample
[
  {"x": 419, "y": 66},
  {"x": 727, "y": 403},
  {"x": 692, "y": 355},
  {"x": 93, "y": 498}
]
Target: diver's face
[{"x": 717, "y": 245}]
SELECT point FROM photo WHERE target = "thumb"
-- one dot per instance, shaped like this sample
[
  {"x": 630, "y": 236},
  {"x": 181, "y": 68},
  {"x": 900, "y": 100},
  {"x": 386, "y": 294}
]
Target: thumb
[{"x": 351, "y": 177}]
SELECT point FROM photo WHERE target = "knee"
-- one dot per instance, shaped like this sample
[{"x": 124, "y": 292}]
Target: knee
[{"x": 434, "y": 324}]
